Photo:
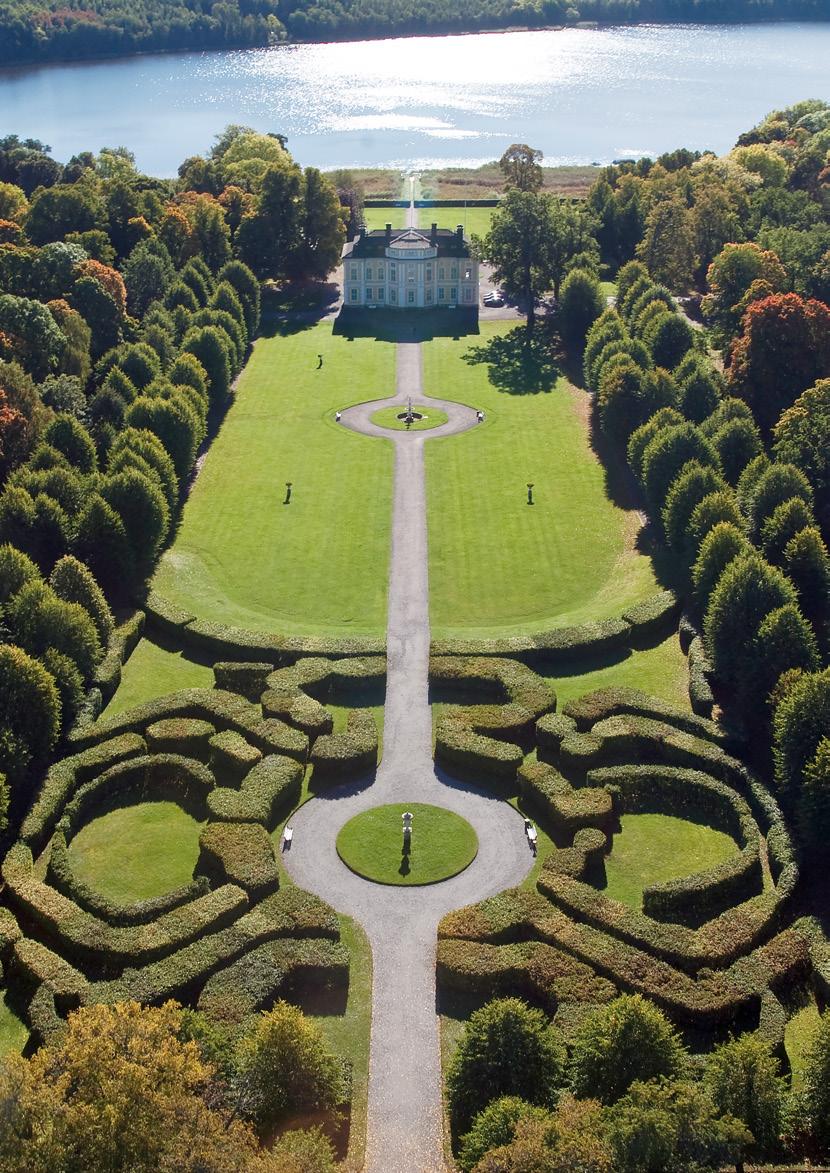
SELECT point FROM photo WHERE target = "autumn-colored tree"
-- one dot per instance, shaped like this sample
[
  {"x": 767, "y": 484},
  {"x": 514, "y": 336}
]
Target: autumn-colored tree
[
  {"x": 784, "y": 348},
  {"x": 119, "y": 1091},
  {"x": 730, "y": 276},
  {"x": 13, "y": 425},
  {"x": 109, "y": 279}
]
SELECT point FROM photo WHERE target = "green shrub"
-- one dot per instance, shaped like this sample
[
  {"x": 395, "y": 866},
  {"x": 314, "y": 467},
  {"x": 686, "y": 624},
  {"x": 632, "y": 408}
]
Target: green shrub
[
  {"x": 580, "y": 303},
  {"x": 343, "y": 755},
  {"x": 207, "y": 344},
  {"x": 71, "y": 438},
  {"x": 74, "y": 583},
  {"x": 140, "y": 364},
  {"x": 665, "y": 456},
  {"x": 38, "y": 620},
  {"x": 806, "y": 562},
  {"x": 174, "y": 423},
  {"x": 711, "y": 510},
  {"x": 102, "y": 544},
  {"x": 718, "y": 549},
  {"x": 269, "y": 790},
  {"x": 746, "y": 592},
  {"x": 559, "y": 806},
  {"x": 494, "y": 1126},
  {"x": 286, "y": 1067},
  {"x": 640, "y": 439},
  {"x": 248, "y": 678},
  {"x": 231, "y": 756},
  {"x": 144, "y": 446},
  {"x": 140, "y": 504},
  {"x": 626, "y": 1041},
  {"x": 507, "y": 1049},
  {"x": 743, "y": 1079},
  {"x": 698, "y": 393},
  {"x": 779, "y": 483},
  {"x": 693, "y": 482},
  {"x": 669, "y": 337},
  {"x": 239, "y": 853},
  {"x": 187, "y": 736},
  {"x": 16, "y": 569},
  {"x": 737, "y": 443},
  {"x": 247, "y": 288}
]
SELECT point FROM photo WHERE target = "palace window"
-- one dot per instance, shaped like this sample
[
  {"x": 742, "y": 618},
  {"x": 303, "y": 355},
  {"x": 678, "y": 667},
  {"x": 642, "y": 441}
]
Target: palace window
[
  {"x": 380, "y": 272},
  {"x": 454, "y": 273},
  {"x": 440, "y": 272},
  {"x": 468, "y": 273},
  {"x": 410, "y": 274},
  {"x": 354, "y": 273},
  {"x": 393, "y": 295},
  {"x": 355, "y": 293},
  {"x": 468, "y": 293},
  {"x": 429, "y": 272},
  {"x": 393, "y": 272},
  {"x": 453, "y": 294},
  {"x": 368, "y": 272},
  {"x": 368, "y": 294},
  {"x": 429, "y": 297},
  {"x": 440, "y": 292},
  {"x": 410, "y": 296},
  {"x": 381, "y": 293}
]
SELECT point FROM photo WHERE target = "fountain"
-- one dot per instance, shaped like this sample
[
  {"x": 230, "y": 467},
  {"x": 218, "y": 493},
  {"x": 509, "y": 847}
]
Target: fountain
[{"x": 409, "y": 416}]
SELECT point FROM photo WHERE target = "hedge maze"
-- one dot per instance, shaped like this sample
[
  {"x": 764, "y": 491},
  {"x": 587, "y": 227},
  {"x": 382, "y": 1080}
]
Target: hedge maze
[
  {"x": 236, "y": 758},
  {"x": 717, "y": 950}
]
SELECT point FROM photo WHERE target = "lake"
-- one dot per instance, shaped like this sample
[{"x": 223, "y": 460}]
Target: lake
[{"x": 581, "y": 95}]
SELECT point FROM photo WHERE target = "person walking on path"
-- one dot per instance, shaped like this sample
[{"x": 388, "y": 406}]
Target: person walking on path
[{"x": 319, "y": 361}]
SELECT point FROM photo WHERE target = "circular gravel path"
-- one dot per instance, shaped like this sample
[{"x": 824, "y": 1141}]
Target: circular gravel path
[{"x": 405, "y": 1126}]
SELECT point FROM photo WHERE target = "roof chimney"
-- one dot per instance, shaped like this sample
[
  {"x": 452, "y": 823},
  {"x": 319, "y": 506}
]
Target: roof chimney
[
  {"x": 361, "y": 232},
  {"x": 433, "y": 233},
  {"x": 388, "y": 233},
  {"x": 459, "y": 232}
]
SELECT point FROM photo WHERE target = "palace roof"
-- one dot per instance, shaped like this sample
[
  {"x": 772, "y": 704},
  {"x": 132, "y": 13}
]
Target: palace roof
[{"x": 445, "y": 241}]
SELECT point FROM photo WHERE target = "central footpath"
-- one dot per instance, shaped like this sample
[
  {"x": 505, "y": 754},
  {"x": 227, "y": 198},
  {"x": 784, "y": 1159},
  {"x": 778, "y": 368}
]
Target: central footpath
[{"x": 405, "y": 1120}]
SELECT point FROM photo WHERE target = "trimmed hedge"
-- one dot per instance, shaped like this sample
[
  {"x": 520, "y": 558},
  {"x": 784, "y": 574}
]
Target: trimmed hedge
[
  {"x": 64, "y": 778},
  {"x": 145, "y": 778},
  {"x": 559, "y": 806},
  {"x": 239, "y": 853},
  {"x": 268, "y": 972},
  {"x": 61, "y": 875},
  {"x": 235, "y": 643},
  {"x": 182, "y": 735},
  {"x": 182, "y": 975},
  {"x": 296, "y": 709},
  {"x": 231, "y": 756},
  {"x": 693, "y": 899},
  {"x": 267, "y": 791},
  {"x": 122, "y": 643},
  {"x": 653, "y": 617},
  {"x": 624, "y": 738},
  {"x": 354, "y": 751},
  {"x": 247, "y": 677},
  {"x": 560, "y": 645},
  {"x": 551, "y": 731},
  {"x": 596, "y": 706},
  {"x": 224, "y": 710},
  {"x": 727, "y": 997},
  {"x": 701, "y": 697},
  {"x": 100, "y": 947},
  {"x": 462, "y": 751}
]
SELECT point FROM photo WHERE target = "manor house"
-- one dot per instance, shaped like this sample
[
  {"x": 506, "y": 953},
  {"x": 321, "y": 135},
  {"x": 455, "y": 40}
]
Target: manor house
[{"x": 407, "y": 269}]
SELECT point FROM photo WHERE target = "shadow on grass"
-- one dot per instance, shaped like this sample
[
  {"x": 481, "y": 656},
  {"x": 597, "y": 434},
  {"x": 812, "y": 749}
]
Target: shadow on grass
[
  {"x": 420, "y": 325},
  {"x": 522, "y": 362},
  {"x": 323, "y": 785},
  {"x": 297, "y": 306}
]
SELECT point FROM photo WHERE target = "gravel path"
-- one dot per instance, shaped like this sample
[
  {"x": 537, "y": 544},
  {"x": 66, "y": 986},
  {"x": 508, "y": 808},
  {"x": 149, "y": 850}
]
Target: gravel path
[{"x": 405, "y": 1127}]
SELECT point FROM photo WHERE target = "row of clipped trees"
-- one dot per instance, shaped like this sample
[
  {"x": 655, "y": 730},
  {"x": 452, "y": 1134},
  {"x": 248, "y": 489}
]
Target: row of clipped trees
[
  {"x": 737, "y": 515},
  {"x": 120, "y": 338}
]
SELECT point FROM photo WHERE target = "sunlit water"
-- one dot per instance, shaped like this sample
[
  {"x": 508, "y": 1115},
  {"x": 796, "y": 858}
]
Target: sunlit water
[{"x": 580, "y": 95}]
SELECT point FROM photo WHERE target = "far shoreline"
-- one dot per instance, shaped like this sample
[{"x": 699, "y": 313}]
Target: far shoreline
[{"x": 32, "y": 64}]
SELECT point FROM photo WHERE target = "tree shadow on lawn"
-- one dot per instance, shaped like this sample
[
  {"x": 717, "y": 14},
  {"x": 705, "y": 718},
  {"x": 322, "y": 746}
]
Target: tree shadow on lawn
[
  {"x": 297, "y": 306},
  {"x": 522, "y": 362},
  {"x": 324, "y": 785}
]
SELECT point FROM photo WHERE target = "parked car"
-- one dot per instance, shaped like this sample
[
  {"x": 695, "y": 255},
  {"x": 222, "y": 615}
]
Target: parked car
[{"x": 493, "y": 300}]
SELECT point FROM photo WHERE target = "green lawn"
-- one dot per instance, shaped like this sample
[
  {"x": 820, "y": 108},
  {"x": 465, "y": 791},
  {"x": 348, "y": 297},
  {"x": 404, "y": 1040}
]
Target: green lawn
[
  {"x": 153, "y": 671},
  {"x": 660, "y": 671},
  {"x": 137, "y": 852},
  {"x": 432, "y": 417},
  {"x": 442, "y": 845},
  {"x": 13, "y": 1032},
  {"x": 380, "y": 217},
  {"x": 498, "y": 565},
  {"x": 651, "y": 849},
  {"x": 475, "y": 220},
  {"x": 319, "y": 564}
]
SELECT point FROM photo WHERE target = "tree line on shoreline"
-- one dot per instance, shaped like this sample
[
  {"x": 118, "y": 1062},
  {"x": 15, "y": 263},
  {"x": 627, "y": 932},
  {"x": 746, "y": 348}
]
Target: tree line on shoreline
[{"x": 32, "y": 31}]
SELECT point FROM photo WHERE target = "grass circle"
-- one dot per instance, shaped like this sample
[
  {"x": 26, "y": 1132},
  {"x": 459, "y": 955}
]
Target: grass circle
[
  {"x": 371, "y": 844},
  {"x": 387, "y": 417}
]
